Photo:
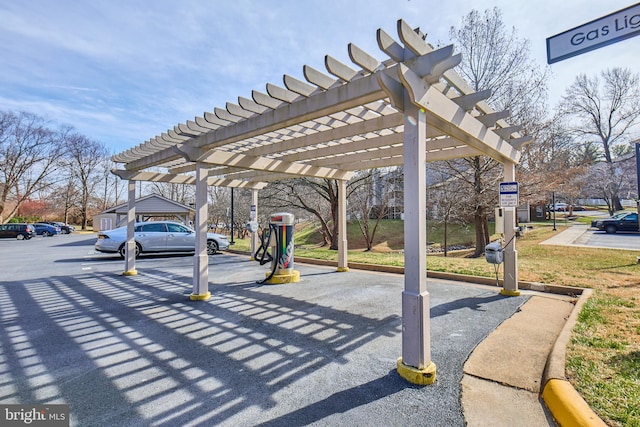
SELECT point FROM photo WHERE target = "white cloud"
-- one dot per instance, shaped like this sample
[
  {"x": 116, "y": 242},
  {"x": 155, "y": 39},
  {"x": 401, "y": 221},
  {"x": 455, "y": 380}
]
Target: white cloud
[{"x": 126, "y": 70}]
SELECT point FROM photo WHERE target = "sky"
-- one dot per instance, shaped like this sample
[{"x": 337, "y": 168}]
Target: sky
[{"x": 124, "y": 71}]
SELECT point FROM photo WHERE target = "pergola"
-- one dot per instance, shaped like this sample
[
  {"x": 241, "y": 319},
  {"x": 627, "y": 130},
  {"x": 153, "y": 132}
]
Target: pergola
[{"x": 406, "y": 110}]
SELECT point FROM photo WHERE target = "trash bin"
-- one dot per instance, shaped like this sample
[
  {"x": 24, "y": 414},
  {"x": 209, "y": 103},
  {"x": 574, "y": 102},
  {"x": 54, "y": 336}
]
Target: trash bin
[{"x": 493, "y": 253}]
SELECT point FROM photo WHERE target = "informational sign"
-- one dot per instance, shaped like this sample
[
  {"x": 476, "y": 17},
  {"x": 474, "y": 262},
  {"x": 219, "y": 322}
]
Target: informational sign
[
  {"x": 600, "y": 32},
  {"x": 252, "y": 213},
  {"x": 509, "y": 194}
]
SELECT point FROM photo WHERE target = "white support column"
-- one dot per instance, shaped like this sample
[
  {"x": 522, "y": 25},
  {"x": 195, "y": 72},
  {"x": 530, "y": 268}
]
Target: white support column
[
  {"x": 130, "y": 252},
  {"x": 510, "y": 284},
  {"x": 343, "y": 263},
  {"x": 415, "y": 365},
  {"x": 200, "y": 258},
  {"x": 254, "y": 217}
]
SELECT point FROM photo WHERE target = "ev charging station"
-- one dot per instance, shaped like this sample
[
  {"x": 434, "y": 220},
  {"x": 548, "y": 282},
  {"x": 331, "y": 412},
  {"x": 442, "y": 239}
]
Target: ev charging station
[{"x": 278, "y": 239}]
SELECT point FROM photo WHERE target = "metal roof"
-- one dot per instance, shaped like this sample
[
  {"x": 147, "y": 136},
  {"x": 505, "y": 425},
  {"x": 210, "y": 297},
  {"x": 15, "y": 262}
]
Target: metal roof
[{"x": 336, "y": 122}]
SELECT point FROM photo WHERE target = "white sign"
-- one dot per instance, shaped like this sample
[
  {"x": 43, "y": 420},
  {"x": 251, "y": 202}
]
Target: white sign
[
  {"x": 603, "y": 31},
  {"x": 509, "y": 194}
]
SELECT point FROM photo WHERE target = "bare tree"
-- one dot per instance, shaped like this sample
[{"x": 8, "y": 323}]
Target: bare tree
[
  {"x": 369, "y": 202},
  {"x": 181, "y": 193},
  {"x": 604, "y": 112},
  {"x": 83, "y": 160},
  {"x": 311, "y": 196},
  {"x": 29, "y": 153},
  {"x": 495, "y": 59},
  {"x": 445, "y": 199}
]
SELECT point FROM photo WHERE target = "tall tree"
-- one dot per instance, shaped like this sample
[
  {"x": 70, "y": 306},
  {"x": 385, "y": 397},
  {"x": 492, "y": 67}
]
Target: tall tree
[
  {"x": 496, "y": 59},
  {"x": 83, "y": 160},
  {"x": 604, "y": 112},
  {"x": 29, "y": 153}
]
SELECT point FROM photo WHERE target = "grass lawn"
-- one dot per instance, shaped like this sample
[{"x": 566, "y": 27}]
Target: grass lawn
[{"x": 603, "y": 357}]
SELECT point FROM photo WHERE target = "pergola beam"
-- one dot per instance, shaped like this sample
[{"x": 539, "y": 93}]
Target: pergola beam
[
  {"x": 219, "y": 157},
  {"x": 185, "y": 179}
]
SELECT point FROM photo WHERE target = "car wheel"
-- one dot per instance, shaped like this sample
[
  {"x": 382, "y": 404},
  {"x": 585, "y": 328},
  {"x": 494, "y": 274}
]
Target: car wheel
[
  {"x": 122, "y": 251},
  {"x": 610, "y": 229},
  {"x": 20, "y": 237},
  {"x": 46, "y": 234},
  {"x": 212, "y": 247}
]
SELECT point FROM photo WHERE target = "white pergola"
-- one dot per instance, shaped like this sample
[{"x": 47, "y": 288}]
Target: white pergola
[{"x": 406, "y": 110}]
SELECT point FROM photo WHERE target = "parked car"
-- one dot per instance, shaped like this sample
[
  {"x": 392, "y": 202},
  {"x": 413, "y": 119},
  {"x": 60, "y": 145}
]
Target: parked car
[
  {"x": 158, "y": 236},
  {"x": 626, "y": 221},
  {"x": 43, "y": 229},
  {"x": 18, "y": 231},
  {"x": 559, "y": 207},
  {"x": 594, "y": 223},
  {"x": 64, "y": 228}
]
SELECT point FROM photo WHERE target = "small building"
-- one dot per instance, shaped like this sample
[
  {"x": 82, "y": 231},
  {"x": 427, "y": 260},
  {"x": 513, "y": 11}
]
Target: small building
[{"x": 147, "y": 207}]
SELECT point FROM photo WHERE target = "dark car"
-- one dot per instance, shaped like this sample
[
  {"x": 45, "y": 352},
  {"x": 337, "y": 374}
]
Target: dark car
[
  {"x": 64, "y": 228},
  {"x": 43, "y": 229},
  {"x": 18, "y": 231},
  {"x": 626, "y": 221}
]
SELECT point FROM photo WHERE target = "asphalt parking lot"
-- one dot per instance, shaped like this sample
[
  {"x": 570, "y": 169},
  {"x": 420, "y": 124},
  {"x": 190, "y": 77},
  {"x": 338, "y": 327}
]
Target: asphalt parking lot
[{"x": 136, "y": 351}]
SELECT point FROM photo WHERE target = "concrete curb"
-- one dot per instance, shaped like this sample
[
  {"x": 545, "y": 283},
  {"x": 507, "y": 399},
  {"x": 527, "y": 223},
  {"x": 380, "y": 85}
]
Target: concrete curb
[{"x": 564, "y": 402}]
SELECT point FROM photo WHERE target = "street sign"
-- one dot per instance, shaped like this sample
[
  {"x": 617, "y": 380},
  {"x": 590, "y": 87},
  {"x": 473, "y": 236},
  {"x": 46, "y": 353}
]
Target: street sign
[
  {"x": 600, "y": 32},
  {"x": 509, "y": 194}
]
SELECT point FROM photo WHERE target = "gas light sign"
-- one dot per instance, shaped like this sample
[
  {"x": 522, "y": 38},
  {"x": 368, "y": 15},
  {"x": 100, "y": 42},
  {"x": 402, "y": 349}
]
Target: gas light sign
[{"x": 609, "y": 29}]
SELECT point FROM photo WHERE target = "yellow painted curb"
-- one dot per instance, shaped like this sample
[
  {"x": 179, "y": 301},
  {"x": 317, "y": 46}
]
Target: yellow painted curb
[
  {"x": 343, "y": 269},
  {"x": 414, "y": 375},
  {"x": 280, "y": 279},
  {"x": 567, "y": 407},
  {"x": 200, "y": 297},
  {"x": 130, "y": 272},
  {"x": 509, "y": 293}
]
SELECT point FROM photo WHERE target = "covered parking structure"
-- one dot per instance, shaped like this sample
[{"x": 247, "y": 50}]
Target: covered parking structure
[{"x": 406, "y": 110}]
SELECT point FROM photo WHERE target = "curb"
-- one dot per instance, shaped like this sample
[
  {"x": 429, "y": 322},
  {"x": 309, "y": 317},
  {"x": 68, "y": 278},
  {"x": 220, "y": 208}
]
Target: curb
[{"x": 562, "y": 399}]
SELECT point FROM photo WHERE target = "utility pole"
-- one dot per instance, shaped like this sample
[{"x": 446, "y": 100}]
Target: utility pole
[
  {"x": 232, "y": 218},
  {"x": 638, "y": 177},
  {"x": 553, "y": 208}
]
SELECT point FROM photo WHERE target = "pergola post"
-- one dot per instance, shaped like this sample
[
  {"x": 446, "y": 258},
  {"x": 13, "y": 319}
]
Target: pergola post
[
  {"x": 253, "y": 216},
  {"x": 510, "y": 283},
  {"x": 415, "y": 365},
  {"x": 343, "y": 263},
  {"x": 130, "y": 252},
  {"x": 201, "y": 258}
]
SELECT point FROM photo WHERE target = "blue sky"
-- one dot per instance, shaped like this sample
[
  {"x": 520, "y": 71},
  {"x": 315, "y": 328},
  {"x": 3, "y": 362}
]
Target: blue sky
[{"x": 123, "y": 71}]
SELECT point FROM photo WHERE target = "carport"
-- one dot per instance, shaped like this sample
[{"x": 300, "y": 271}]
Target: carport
[{"x": 405, "y": 110}]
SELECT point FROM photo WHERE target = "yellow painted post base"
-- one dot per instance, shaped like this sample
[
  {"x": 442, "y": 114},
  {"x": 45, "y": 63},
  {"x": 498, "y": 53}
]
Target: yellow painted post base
[
  {"x": 130, "y": 272},
  {"x": 343, "y": 269},
  {"x": 279, "y": 279},
  {"x": 200, "y": 297},
  {"x": 414, "y": 375},
  {"x": 508, "y": 293}
]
